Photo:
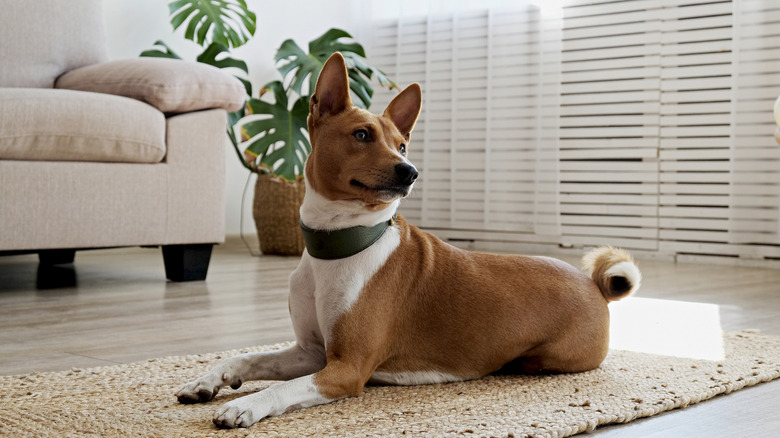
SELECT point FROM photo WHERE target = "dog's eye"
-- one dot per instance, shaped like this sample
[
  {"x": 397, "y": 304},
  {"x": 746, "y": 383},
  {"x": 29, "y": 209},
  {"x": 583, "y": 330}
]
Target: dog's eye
[
  {"x": 360, "y": 135},
  {"x": 402, "y": 149}
]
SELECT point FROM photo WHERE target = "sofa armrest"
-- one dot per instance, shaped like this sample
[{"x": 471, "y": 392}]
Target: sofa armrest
[{"x": 170, "y": 85}]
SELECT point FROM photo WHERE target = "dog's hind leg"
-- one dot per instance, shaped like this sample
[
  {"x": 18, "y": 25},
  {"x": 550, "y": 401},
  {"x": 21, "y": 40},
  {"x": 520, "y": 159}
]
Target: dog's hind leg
[{"x": 283, "y": 364}]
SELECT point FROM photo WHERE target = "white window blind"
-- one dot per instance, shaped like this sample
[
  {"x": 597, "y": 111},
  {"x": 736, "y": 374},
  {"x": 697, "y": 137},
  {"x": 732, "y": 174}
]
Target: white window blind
[
  {"x": 486, "y": 142},
  {"x": 694, "y": 140},
  {"x": 662, "y": 125},
  {"x": 755, "y": 159},
  {"x": 610, "y": 123}
]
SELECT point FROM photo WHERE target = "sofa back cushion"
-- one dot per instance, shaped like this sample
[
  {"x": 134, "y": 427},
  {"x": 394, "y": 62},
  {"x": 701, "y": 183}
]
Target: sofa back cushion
[{"x": 42, "y": 39}]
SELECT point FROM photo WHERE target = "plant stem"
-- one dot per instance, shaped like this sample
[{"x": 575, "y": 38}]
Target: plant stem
[{"x": 238, "y": 151}]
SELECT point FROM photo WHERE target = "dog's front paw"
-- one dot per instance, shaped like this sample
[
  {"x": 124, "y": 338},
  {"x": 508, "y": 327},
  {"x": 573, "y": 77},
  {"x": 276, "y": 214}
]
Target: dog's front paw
[
  {"x": 197, "y": 392},
  {"x": 206, "y": 388},
  {"x": 237, "y": 413}
]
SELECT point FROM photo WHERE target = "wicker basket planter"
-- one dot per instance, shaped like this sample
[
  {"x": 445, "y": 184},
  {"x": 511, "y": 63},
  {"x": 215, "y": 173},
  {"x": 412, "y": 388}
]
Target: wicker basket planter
[{"x": 276, "y": 209}]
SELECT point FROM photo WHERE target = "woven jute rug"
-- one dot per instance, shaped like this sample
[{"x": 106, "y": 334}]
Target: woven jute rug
[{"x": 137, "y": 399}]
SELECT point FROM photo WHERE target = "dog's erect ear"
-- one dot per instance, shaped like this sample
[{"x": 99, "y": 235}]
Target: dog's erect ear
[
  {"x": 405, "y": 108},
  {"x": 331, "y": 95}
]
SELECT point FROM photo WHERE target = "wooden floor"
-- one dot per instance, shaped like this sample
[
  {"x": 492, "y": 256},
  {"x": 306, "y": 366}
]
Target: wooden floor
[{"x": 119, "y": 308}]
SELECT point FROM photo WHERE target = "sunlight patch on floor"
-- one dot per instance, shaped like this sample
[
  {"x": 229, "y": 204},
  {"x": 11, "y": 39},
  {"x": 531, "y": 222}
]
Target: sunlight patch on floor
[{"x": 666, "y": 327}]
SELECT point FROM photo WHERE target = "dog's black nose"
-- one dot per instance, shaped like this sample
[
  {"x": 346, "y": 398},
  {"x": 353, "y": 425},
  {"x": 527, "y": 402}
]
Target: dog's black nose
[{"x": 407, "y": 174}]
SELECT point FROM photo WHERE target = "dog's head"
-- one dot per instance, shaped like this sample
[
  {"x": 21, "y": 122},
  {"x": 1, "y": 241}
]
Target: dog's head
[{"x": 356, "y": 155}]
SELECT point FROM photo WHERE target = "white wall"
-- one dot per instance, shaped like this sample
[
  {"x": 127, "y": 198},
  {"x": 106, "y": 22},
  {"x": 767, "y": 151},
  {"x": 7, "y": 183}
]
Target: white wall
[{"x": 134, "y": 25}]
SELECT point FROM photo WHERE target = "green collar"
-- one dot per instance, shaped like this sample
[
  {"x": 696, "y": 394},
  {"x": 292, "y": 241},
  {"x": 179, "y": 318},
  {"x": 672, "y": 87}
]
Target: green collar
[{"x": 340, "y": 244}]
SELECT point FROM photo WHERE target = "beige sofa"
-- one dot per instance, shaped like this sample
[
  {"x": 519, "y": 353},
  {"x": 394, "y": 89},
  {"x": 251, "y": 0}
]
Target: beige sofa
[{"x": 97, "y": 154}]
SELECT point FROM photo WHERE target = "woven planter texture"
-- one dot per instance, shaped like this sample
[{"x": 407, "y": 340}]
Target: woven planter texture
[{"x": 276, "y": 210}]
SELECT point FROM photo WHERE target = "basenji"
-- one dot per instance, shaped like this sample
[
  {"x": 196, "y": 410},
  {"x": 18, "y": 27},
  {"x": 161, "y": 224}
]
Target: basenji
[{"x": 375, "y": 299}]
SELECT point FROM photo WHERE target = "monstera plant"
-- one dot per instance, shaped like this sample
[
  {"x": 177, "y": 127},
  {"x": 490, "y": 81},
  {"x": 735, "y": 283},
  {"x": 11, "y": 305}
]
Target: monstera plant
[{"x": 272, "y": 126}]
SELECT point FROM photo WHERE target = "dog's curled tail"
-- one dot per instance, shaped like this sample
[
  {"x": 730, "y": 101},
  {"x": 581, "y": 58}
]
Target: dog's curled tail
[{"x": 613, "y": 270}]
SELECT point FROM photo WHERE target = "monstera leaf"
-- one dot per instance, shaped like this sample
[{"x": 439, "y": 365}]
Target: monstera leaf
[
  {"x": 162, "y": 52},
  {"x": 302, "y": 67},
  {"x": 360, "y": 73},
  {"x": 230, "y": 22},
  {"x": 213, "y": 51},
  {"x": 278, "y": 140}
]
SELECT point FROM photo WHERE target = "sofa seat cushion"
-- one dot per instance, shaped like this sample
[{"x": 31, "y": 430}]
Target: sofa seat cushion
[{"x": 67, "y": 125}]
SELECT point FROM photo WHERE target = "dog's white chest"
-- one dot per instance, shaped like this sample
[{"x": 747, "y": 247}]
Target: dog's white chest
[{"x": 335, "y": 285}]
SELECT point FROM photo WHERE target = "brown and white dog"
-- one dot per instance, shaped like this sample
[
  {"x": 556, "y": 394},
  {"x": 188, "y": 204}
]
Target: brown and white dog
[{"x": 408, "y": 309}]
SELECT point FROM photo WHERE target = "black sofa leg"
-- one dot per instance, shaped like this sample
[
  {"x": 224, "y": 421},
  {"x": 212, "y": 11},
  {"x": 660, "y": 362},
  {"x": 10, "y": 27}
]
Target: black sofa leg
[
  {"x": 51, "y": 272},
  {"x": 50, "y": 257},
  {"x": 187, "y": 262}
]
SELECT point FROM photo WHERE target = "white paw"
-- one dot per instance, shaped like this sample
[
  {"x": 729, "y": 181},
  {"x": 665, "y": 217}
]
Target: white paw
[
  {"x": 206, "y": 388},
  {"x": 237, "y": 413}
]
